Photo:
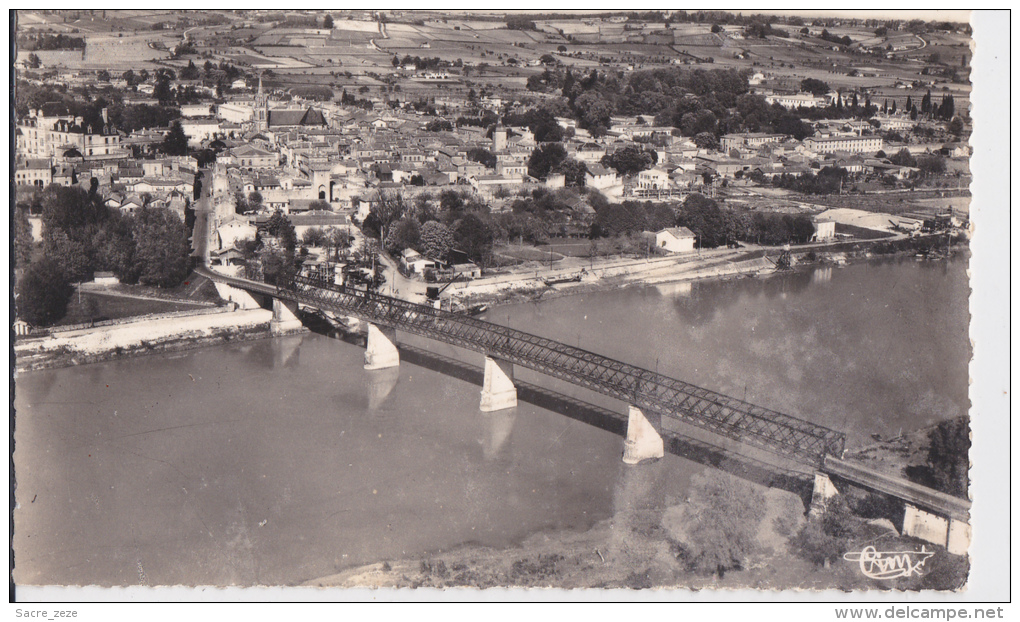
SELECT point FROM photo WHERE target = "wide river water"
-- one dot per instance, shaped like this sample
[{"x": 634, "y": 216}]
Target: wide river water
[{"x": 278, "y": 461}]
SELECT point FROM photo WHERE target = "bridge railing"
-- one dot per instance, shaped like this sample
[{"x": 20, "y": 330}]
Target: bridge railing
[{"x": 745, "y": 422}]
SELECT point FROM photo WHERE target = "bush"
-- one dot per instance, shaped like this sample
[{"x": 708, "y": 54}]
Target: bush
[
  {"x": 825, "y": 539},
  {"x": 43, "y": 293},
  {"x": 716, "y": 530}
]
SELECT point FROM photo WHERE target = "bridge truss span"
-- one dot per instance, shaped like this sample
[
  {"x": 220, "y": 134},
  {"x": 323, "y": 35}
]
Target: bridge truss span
[{"x": 667, "y": 397}]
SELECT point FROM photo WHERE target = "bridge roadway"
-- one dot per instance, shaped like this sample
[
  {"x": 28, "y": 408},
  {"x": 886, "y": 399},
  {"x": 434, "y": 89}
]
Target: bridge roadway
[{"x": 782, "y": 434}]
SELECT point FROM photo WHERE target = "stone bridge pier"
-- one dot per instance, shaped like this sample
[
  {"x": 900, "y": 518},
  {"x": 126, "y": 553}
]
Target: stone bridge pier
[
  {"x": 498, "y": 390},
  {"x": 643, "y": 439},
  {"x": 923, "y": 524},
  {"x": 382, "y": 348},
  {"x": 285, "y": 319}
]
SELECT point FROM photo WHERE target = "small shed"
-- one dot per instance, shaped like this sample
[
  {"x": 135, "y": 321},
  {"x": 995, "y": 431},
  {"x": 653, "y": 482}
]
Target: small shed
[
  {"x": 675, "y": 239},
  {"x": 105, "y": 279}
]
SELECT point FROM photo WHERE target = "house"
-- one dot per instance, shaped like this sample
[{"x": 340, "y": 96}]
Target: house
[
  {"x": 599, "y": 177},
  {"x": 105, "y": 279},
  {"x": 413, "y": 261},
  {"x": 469, "y": 270},
  {"x": 955, "y": 150},
  {"x": 249, "y": 156},
  {"x": 653, "y": 179},
  {"x": 34, "y": 172},
  {"x": 825, "y": 229},
  {"x": 675, "y": 240},
  {"x": 232, "y": 230}
]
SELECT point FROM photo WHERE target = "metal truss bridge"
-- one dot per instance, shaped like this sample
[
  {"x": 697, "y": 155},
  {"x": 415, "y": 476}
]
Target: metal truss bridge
[{"x": 782, "y": 434}]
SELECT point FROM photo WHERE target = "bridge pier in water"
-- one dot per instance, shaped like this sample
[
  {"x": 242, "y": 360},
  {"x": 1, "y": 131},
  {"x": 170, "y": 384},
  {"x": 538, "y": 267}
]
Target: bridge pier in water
[
  {"x": 643, "y": 440},
  {"x": 285, "y": 318},
  {"x": 382, "y": 348},
  {"x": 498, "y": 390}
]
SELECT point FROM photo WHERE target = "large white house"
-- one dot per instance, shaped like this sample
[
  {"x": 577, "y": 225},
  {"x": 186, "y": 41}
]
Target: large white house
[{"x": 850, "y": 144}]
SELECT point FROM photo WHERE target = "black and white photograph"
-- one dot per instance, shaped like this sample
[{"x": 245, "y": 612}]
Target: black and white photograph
[{"x": 339, "y": 299}]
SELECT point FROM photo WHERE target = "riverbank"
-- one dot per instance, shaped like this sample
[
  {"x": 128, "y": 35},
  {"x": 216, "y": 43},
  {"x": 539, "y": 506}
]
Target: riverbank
[
  {"x": 141, "y": 335},
  {"x": 633, "y": 550},
  {"x": 720, "y": 267}
]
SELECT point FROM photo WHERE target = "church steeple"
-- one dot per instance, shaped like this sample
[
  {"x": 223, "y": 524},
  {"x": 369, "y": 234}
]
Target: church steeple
[{"x": 261, "y": 109}]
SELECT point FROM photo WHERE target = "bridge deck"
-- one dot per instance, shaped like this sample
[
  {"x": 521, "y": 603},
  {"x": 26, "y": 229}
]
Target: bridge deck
[
  {"x": 915, "y": 494},
  {"x": 779, "y": 433}
]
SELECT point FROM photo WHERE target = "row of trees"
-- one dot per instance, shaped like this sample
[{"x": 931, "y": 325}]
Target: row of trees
[
  {"x": 82, "y": 236},
  {"x": 714, "y": 226},
  {"x": 459, "y": 224}
]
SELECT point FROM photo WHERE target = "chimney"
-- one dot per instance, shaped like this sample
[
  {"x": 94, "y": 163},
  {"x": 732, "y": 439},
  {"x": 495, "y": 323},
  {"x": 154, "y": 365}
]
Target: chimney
[{"x": 106, "y": 118}]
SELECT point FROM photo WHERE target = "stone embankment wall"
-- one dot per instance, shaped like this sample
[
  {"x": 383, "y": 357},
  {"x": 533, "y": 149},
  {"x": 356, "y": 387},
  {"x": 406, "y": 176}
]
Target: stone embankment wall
[{"x": 143, "y": 335}]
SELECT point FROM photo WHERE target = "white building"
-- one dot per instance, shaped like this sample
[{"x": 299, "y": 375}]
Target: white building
[
  {"x": 653, "y": 179},
  {"x": 234, "y": 229},
  {"x": 675, "y": 240},
  {"x": 796, "y": 100},
  {"x": 850, "y": 144},
  {"x": 599, "y": 177},
  {"x": 824, "y": 229}
]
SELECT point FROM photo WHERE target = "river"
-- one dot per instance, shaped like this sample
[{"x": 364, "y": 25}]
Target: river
[{"x": 278, "y": 461}]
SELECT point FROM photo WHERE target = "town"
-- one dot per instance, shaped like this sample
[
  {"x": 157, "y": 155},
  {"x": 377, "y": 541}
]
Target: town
[
  {"x": 574, "y": 143},
  {"x": 665, "y": 209}
]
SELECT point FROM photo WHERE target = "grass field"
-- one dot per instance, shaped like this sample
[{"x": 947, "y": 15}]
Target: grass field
[{"x": 117, "y": 307}]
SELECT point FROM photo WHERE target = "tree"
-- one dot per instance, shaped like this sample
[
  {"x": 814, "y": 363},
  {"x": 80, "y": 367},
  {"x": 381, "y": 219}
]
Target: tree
[
  {"x": 814, "y": 86},
  {"x": 716, "y": 28},
  {"x": 162, "y": 252},
  {"x": 43, "y": 293},
  {"x": 594, "y": 112},
  {"x": 630, "y": 160},
  {"x": 162, "y": 89},
  {"x": 73, "y": 254},
  {"x": 717, "y": 529},
  {"x": 573, "y": 171},
  {"x": 403, "y": 234},
  {"x": 255, "y": 200},
  {"x": 33, "y": 61},
  {"x": 313, "y": 236},
  {"x": 387, "y": 210},
  {"x": 190, "y": 72},
  {"x": 903, "y": 157},
  {"x": 280, "y": 227},
  {"x": 826, "y": 538},
  {"x": 176, "y": 141},
  {"x": 473, "y": 236},
  {"x": 482, "y": 156},
  {"x": 931, "y": 164},
  {"x": 23, "y": 242},
  {"x": 327, "y": 22},
  {"x": 436, "y": 240},
  {"x": 544, "y": 158},
  {"x": 949, "y": 456},
  {"x": 706, "y": 140},
  {"x": 955, "y": 126},
  {"x": 703, "y": 217}
]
